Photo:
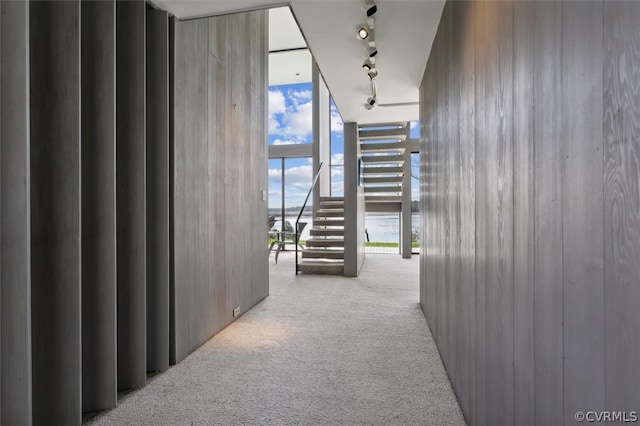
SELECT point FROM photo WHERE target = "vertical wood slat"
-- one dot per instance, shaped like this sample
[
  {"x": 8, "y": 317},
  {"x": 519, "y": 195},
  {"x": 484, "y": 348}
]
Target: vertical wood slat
[
  {"x": 55, "y": 211},
  {"x": 157, "y": 116},
  {"x": 548, "y": 343},
  {"x": 498, "y": 224},
  {"x": 172, "y": 272},
  {"x": 466, "y": 171},
  {"x": 582, "y": 256},
  {"x": 219, "y": 106},
  {"x": 99, "y": 327},
  {"x": 480, "y": 218},
  {"x": 15, "y": 287},
  {"x": 130, "y": 193},
  {"x": 523, "y": 218},
  {"x": 621, "y": 139}
]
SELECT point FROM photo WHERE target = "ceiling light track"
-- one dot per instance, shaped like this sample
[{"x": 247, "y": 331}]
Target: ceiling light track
[{"x": 366, "y": 33}]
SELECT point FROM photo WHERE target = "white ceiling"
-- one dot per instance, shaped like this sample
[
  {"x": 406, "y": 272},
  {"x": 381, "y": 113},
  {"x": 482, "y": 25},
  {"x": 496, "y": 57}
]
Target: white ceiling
[{"x": 404, "y": 32}]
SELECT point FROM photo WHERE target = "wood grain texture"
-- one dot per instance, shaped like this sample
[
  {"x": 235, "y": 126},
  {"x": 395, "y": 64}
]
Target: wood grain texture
[
  {"x": 99, "y": 328},
  {"x": 219, "y": 136},
  {"x": 465, "y": 26},
  {"x": 55, "y": 211},
  {"x": 481, "y": 35},
  {"x": 621, "y": 134},
  {"x": 498, "y": 224},
  {"x": 15, "y": 262},
  {"x": 131, "y": 193},
  {"x": 553, "y": 208},
  {"x": 523, "y": 215},
  {"x": 157, "y": 191},
  {"x": 582, "y": 257},
  {"x": 548, "y": 350}
]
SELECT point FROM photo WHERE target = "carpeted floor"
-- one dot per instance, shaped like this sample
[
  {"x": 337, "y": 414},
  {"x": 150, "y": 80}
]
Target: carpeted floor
[{"x": 320, "y": 350}]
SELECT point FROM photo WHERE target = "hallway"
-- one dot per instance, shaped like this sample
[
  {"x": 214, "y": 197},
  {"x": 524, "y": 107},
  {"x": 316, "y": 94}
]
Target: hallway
[{"x": 317, "y": 350}]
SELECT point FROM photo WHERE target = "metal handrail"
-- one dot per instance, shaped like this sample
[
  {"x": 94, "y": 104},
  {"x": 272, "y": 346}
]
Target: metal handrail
[{"x": 313, "y": 184}]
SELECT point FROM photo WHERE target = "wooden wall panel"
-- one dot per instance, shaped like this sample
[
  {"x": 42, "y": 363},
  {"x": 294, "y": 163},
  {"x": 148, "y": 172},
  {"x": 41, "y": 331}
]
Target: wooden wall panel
[
  {"x": 523, "y": 214},
  {"x": 498, "y": 220},
  {"x": 548, "y": 349},
  {"x": 481, "y": 31},
  {"x": 190, "y": 148},
  {"x": 466, "y": 170},
  {"x": 15, "y": 261},
  {"x": 529, "y": 113},
  {"x": 582, "y": 200},
  {"x": 99, "y": 364},
  {"x": 621, "y": 134},
  {"x": 220, "y": 92},
  {"x": 157, "y": 145},
  {"x": 55, "y": 211},
  {"x": 130, "y": 193}
]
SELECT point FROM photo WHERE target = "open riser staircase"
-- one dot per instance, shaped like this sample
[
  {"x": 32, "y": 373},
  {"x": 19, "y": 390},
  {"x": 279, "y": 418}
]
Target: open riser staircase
[
  {"x": 324, "y": 250},
  {"x": 383, "y": 148}
]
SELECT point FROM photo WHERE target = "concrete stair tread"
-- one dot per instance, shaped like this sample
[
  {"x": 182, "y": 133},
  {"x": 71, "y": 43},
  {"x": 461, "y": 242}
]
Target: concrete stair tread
[
  {"x": 382, "y": 170},
  {"x": 398, "y": 147},
  {"x": 328, "y": 222},
  {"x": 383, "y": 179},
  {"x": 326, "y": 232},
  {"x": 397, "y": 132},
  {"x": 389, "y": 188},
  {"x": 395, "y": 159},
  {"x": 323, "y": 266},
  {"x": 384, "y": 199},
  {"x": 327, "y": 253}
]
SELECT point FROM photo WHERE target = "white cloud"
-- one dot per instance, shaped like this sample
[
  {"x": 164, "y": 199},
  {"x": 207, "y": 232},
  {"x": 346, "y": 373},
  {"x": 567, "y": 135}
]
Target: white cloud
[
  {"x": 276, "y": 107},
  {"x": 336, "y": 121},
  {"x": 285, "y": 142},
  {"x": 300, "y": 96},
  {"x": 275, "y": 173},
  {"x": 337, "y": 172},
  {"x": 299, "y": 177},
  {"x": 337, "y": 159},
  {"x": 298, "y": 121},
  {"x": 276, "y": 102},
  {"x": 414, "y": 124}
]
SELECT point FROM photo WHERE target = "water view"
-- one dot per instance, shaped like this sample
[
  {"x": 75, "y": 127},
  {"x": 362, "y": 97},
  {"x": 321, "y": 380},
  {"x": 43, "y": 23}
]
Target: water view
[{"x": 381, "y": 227}]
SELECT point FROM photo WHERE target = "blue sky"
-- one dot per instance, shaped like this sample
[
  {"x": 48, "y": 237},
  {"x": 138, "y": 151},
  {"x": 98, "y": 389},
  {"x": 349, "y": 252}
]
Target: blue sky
[{"x": 290, "y": 122}]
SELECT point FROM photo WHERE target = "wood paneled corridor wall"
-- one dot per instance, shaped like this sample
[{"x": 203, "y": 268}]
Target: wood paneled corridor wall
[
  {"x": 132, "y": 165},
  {"x": 530, "y": 158}
]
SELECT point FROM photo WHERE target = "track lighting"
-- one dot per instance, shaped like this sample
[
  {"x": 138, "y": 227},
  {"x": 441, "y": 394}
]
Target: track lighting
[
  {"x": 371, "y": 8},
  {"x": 364, "y": 32},
  {"x": 373, "y": 52},
  {"x": 371, "y": 102},
  {"x": 373, "y": 73},
  {"x": 368, "y": 65}
]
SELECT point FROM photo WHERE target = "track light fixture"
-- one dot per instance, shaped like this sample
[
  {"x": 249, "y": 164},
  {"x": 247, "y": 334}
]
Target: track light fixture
[
  {"x": 372, "y": 10},
  {"x": 373, "y": 51},
  {"x": 373, "y": 73},
  {"x": 364, "y": 32},
  {"x": 367, "y": 65},
  {"x": 371, "y": 102}
]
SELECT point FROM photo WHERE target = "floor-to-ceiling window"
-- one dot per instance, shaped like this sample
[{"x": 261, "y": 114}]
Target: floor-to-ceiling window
[{"x": 337, "y": 152}]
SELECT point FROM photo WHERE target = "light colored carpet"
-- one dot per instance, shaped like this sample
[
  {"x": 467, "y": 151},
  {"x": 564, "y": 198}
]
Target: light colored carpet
[{"x": 320, "y": 350}]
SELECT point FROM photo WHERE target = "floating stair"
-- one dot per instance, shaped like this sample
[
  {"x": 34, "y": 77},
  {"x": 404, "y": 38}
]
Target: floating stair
[
  {"x": 383, "y": 154},
  {"x": 324, "y": 251}
]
